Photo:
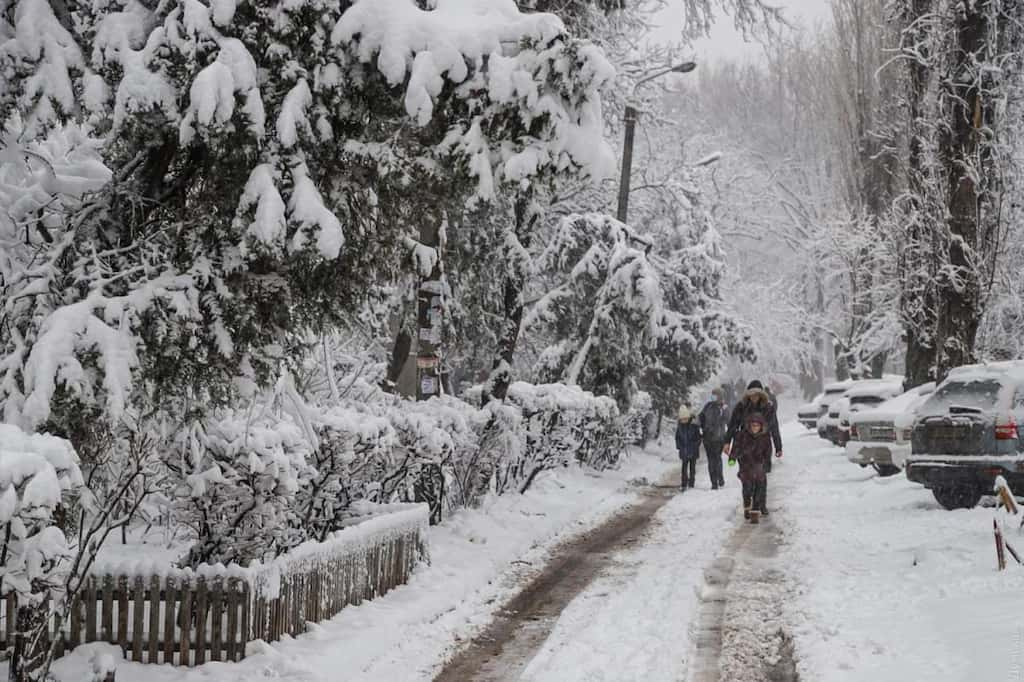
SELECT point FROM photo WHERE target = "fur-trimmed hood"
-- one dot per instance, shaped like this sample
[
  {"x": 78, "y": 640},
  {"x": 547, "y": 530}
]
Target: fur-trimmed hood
[{"x": 757, "y": 396}]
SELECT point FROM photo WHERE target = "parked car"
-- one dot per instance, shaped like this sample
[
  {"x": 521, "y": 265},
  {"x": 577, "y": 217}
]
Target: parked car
[
  {"x": 965, "y": 434},
  {"x": 880, "y": 436},
  {"x": 864, "y": 395},
  {"x": 808, "y": 413},
  {"x": 832, "y": 419},
  {"x": 833, "y": 392}
]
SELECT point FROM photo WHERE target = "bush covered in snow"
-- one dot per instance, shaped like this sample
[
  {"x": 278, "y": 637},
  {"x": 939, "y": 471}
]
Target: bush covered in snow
[
  {"x": 257, "y": 483},
  {"x": 39, "y": 478}
]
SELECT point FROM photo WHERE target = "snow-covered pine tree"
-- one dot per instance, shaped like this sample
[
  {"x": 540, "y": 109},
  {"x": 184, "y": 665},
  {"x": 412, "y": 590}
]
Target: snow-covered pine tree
[{"x": 262, "y": 166}]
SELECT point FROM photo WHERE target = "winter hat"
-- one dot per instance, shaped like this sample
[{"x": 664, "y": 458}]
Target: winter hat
[
  {"x": 755, "y": 384},
  {"x": 757, "y": 418},
  {"x": 684, "y": 413}
]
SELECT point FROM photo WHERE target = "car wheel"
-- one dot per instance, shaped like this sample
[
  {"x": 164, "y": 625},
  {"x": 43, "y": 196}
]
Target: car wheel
[
  {"x": 886, "y": 469},
  {"x": 958, "y": 497}
]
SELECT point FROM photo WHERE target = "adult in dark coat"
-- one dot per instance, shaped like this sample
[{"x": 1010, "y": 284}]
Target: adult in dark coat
[
  {"x": 753, "y": 451},
  {"x": 688, "y": 445},
  {"x": 714, "y": 424},
  {"x": 756, "y": 399}
]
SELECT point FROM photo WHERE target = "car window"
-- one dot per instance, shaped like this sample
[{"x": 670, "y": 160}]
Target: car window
[
  {"x": 982, "y": 394},
  {"x": 866, "y": 400},
  {"x": 1018, "y": 404}
]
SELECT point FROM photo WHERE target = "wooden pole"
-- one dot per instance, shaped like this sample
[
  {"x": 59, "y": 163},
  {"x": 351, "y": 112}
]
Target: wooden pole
[{"x": 1000, "y": 553}]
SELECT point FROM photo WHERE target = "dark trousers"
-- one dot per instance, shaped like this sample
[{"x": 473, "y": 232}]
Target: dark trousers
[
  {"x": 755, "y": 495},
  {"x": 714, "y": 451},
  {"x": 689, "y": 472}
]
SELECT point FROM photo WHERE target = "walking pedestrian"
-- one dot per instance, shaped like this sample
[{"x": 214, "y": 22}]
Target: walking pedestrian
[
  {"x": 688, "y": 445},
  {"x": 753, "y": 450},
  {"x": 755, "y": 401},
  {"x": 714, "y": 424}
]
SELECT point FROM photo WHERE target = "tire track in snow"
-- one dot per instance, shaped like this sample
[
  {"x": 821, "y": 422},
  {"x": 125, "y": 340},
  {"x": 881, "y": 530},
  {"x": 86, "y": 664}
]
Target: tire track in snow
[{"x": 506, "y": 647}]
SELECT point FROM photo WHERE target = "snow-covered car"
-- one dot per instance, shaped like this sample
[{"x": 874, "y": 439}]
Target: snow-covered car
[
  {"x": 832, "y": 419},
  {"x": 864, "y": 395},
  {"x": 880, "y": 436},
  {"x": 965, "y": 434},
  {"x": 833, "y": 392},
  {"x": 808, "y": 413}
]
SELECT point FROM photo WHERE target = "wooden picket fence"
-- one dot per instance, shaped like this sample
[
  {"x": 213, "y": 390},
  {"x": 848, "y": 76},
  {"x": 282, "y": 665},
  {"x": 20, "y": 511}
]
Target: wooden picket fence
[{"x": 188, "y": 617}]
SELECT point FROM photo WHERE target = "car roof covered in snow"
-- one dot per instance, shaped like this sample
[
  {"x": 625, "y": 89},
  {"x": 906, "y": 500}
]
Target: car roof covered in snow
[
  {"x": 838, "y": 386},
  {"x": 882, "y": 388},
  {"x": 1012, "y": 370},
  {"x": 898, "y": 409}
]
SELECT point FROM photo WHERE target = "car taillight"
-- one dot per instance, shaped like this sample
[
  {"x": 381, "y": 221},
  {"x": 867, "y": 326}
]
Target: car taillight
[
  {"x": 1006, "y": 428},
  {"x": 908, "y": 434},
  {"x": 853, "y": 432}
]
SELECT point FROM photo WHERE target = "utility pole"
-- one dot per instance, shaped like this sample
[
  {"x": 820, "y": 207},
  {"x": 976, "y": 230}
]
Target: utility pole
[
  {"x": 421, "y": 375},
  {"x": 627, "y": 162},
  {"x": 627, "y": 146}
]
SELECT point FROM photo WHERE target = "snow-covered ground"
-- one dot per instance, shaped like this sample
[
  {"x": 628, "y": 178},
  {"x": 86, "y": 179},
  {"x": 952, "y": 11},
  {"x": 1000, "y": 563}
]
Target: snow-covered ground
[
  {"x": 888, "y": 585},
  {"x": 478, "y": 559},
  {"x": 877, "y": 582}
]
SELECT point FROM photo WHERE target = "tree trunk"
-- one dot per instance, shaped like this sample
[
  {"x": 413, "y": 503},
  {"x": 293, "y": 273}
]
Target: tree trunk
[
  {"x": 31, "y": 644},
  {"x": 917, "y": 303},
  {"x": 878, "y": 365},
  {"x": 959, "y": 311},
  {"x": 526, "y": 215}
]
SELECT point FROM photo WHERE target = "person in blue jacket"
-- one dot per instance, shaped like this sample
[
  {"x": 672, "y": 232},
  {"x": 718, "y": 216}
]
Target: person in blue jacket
[{"x": 688, "y": 444}]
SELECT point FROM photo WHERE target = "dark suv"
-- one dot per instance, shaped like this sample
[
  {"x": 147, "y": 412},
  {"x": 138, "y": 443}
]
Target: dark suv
[{"x": 965, "y": 434}]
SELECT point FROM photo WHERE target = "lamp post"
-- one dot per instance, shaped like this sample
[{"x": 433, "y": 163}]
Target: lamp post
[{"x": 627, "y": 146}]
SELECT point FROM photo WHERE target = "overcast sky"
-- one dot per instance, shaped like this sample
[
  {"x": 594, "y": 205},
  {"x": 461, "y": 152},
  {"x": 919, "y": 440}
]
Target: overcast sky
[{"x": 725, "y": 42}]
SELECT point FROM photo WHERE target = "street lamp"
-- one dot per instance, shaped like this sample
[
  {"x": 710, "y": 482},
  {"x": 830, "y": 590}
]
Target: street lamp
[{"x": 627, "y": 147}]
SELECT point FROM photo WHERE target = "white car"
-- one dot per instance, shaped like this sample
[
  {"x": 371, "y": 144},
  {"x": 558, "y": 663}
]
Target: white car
[
  {"x": 880, "y": 436},
  {"x": 831, "y": 420},
  {"x": 809, "y": 413},
  {"x": 833, "y": 392},
  {"x": 865, "y": 395}
]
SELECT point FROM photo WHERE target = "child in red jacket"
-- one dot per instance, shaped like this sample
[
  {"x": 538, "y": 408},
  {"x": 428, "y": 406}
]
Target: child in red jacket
[{"x": 752, "y": 448}]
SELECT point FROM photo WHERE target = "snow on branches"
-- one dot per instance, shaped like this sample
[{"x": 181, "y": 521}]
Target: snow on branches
[
  {"x": 620, "y": 312},
  {"x": 38, "y": 474},
  {"x": 516, "y": 73},
  {"x": 244, "y": 158}
]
